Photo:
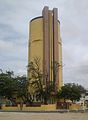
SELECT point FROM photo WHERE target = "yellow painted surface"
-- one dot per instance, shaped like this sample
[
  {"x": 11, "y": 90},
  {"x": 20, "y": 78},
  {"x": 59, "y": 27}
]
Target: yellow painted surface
[
  {"x": 36, "y": 40},
  {"x": 24, "y": 108},
  {"x": 75, "y": 107},
  {"x": 42, "y": 108},
  {"x": 49, "y": 107},
  {"x": 36, "y": 29},
  {"x": 35, "y": 47},
  {"x": 11, "y": 108}
]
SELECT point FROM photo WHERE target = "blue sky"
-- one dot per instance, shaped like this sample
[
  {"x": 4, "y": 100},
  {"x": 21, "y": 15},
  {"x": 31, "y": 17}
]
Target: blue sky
[{"x": 14, "y": 24}]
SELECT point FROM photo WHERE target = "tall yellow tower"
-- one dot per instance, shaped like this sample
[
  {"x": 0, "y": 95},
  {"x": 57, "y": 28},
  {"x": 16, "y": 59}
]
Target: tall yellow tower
[{"x": 45, "y": 43}]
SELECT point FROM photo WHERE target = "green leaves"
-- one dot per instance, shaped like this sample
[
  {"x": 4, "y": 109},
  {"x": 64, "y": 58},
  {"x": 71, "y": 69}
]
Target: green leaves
[
  {"x": 71, "y": 91},
  {"x": 6, "y": 84},
  {"x": 11, "y": 86}
]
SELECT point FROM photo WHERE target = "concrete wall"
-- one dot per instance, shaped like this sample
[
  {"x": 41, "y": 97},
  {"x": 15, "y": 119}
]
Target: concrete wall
[
  {"x": 49, "y": 107},
  {"x": 36, "y": 40},
  {"x": 11, "y": 108},
  {"x": 75, "y": 107},
  {"x": 25, "y": 108},
  {"x": 42, "y": 108},
  {"x": 45, "y": 43}
]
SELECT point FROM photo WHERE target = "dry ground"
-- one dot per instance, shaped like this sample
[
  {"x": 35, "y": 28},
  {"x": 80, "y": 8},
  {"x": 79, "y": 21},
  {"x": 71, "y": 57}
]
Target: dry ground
[{"x": 43, "y": 116}]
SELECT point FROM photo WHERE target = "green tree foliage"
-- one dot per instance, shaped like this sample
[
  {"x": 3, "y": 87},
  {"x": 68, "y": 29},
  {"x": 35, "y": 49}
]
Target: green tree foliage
[
  {"x": 6, "y": 84},
  {"x": 71, "y": 91},
  {"x": 21, "y": 87},
  {"x": 11, "y": 86}
]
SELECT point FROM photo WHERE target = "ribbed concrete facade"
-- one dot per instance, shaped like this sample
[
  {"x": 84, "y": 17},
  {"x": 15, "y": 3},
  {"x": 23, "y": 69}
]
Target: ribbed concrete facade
[{"x": 45, "y": 43}]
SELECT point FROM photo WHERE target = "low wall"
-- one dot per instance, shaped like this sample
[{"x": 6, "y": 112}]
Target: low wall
[
  {"x": 75, "y": 107},
  {"x": 11, "y": 108},
  {"x": 30, "y": 108},
  {"x": 49, "y": 107},
  {"x": 41, "y": 108}
]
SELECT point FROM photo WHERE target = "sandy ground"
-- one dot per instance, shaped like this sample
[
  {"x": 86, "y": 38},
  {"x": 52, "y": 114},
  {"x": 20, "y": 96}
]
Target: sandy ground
[{"x": 43, "y": 116}]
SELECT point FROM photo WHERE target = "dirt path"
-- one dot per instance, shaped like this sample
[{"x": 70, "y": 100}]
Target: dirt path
[{"x": 43, "y": 116}]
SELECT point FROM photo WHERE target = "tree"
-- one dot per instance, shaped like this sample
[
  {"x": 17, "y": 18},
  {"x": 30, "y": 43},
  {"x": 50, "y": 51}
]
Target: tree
[
  {"x": 14, "y": 87},
  {"x": 71, "y": 91},
  {"x": 77, "y": 90},
  {"x": 41, "y": 91},
  {"x": 21, "y": 87},
  {"x": 6, "y": 84},
  {"x": 36, "y": 78}
]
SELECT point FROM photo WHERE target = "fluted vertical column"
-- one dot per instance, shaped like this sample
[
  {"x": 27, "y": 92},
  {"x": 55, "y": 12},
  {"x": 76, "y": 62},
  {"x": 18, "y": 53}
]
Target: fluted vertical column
[
  {"x": 55, "y": 46},
  {"x": 46, "y": 46}
]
